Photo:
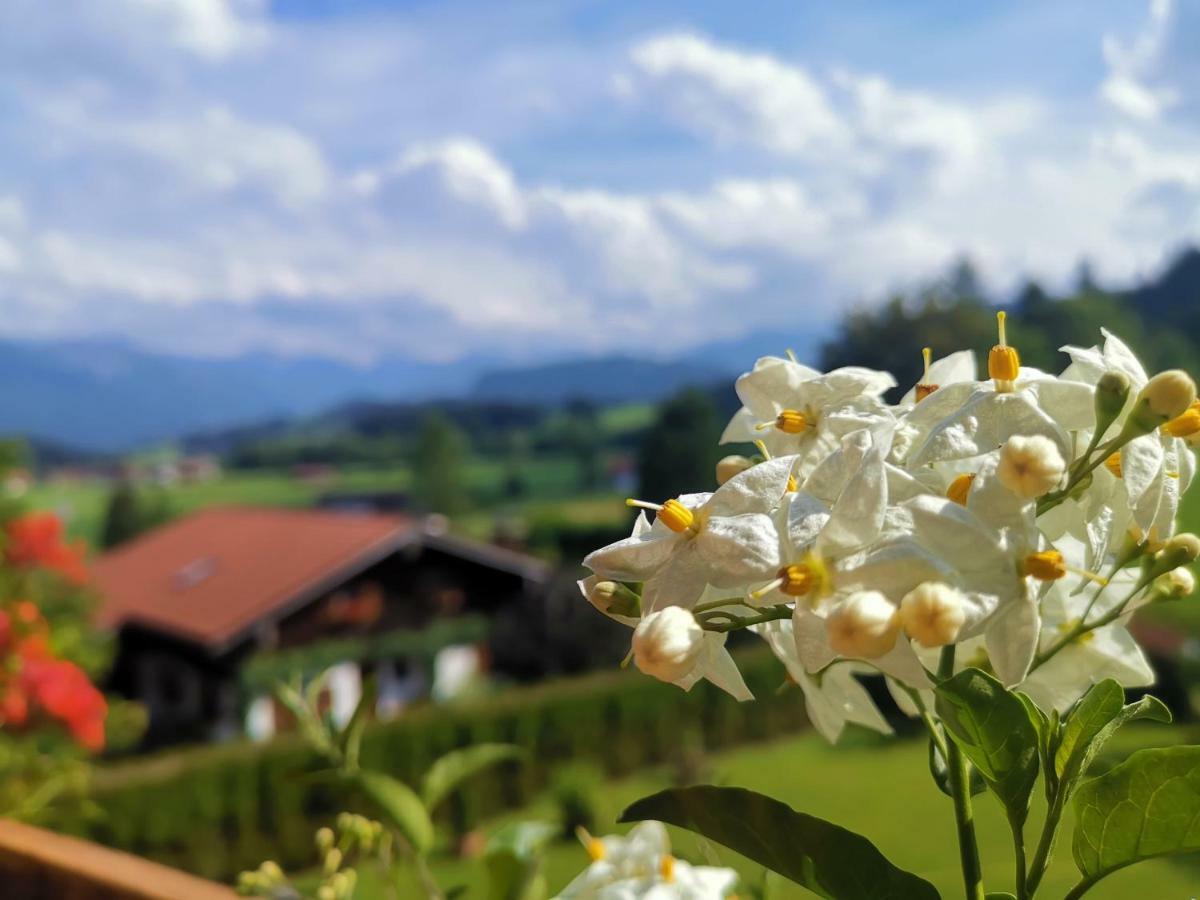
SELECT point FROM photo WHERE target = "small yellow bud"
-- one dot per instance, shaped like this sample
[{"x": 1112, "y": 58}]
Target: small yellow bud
[
  {"x": 1045, "y": 565},
  {"x": 960, "y": 488},
  {"x": 324, "y": 839},
  {"x": 933, "y": 614},
  {"x": 1030, "y": 466},
  {"x": 1169, "y": 394},
  {"x": 864, "y": 625},
  {"x": 676, "y": 516},
  {"x": 792, "y": 484},
  {"x": 1186, "y": 424},
  {"x": 1178, "y": 583},
  {"x": 1179, "y": 550},
  {"x": 326, "y": 892},
  {"x": 791, "y": 421},
  {"x": 730, "y": 466},
  {"x": 333, "y": 860},
  {"x": 1113, "y": 464},
  {"x": 666, "y": 868}
]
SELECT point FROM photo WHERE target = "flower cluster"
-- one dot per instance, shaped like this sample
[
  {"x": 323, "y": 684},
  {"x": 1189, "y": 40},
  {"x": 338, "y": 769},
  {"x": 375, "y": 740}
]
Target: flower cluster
[
  {"x": 36, "y": 540},
  {"x": 640, "y": 865},
  {"x": 36, "y": 686},
  {"x": 1012, "y": 523}
]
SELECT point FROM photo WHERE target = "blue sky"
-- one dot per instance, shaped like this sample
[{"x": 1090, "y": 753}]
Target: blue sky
[{"x": 530, "y": 180}]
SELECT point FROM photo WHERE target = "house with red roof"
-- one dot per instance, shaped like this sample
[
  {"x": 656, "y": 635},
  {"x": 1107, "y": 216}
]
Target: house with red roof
[{"x": 209, "y": 609}]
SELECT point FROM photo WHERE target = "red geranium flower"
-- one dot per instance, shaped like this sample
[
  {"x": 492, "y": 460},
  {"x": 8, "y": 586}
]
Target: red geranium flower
[{"x": 36, "y": 540}]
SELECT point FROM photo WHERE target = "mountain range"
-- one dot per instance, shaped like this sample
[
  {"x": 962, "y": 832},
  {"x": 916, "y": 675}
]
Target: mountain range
[{"x": 108, "y": 396}]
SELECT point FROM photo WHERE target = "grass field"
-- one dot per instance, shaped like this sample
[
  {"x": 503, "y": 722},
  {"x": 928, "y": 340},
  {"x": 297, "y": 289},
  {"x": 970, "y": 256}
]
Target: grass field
[{"x": 881, "y": 791}]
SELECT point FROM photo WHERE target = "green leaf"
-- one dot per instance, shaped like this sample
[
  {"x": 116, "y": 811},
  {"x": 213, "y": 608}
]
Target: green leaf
[
  {"x": 1147, "y": 806},
  {"x": 993, "y": 728},
  {"x": 513, "y": 860},
  {"x": 399, "y": 805},
  {"x": 457, "y": 766},
  {"x": 1093, "y": 721},
  {"x": 351, "y": 737},
  {"x": 828, "y": 860}
]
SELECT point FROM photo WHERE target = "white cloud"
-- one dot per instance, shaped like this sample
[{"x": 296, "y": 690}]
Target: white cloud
[
  {"x": 1125, "y": 86},
  {"x": 471, "y": 173},
  {"x": 738, "y": 96}
]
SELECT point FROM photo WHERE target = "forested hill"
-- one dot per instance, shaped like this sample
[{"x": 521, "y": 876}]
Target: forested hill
[{"x": 1159, "y": 320}]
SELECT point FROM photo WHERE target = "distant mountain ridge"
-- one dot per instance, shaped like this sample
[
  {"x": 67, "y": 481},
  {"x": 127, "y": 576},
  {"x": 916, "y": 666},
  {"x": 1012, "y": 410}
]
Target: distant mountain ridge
[{"x": 108, "y": 396}]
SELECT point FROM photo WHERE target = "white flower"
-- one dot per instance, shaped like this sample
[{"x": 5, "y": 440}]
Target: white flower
[
  {"x": 933, "y": 614},
  {"x": 864, "y": 625},
  {"x": 1108, "y": 652},
  {"x": 1030, "y": 466},
  {"x": 727, "y": 539},
  {"x": 640, "y": 866},
  {"x": 667, "y": 643},
  {"x": 795, "y": 410},
  {"x": 832, "y": 699}
]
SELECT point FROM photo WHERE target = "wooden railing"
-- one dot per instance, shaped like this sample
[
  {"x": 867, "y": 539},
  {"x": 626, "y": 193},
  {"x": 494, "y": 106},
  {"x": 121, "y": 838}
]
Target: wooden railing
[{"x": 41, "y": 865}]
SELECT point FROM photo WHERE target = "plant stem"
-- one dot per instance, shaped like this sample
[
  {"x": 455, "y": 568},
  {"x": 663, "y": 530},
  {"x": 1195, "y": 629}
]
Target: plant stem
[
  {"x": 738, "y": 622},
  {"x": 1083, "y": 628},
  {"x": 959, "y": 776},
  {"x": 1081, "y": 888},
  {"x": 1041, "y": 857},
  {"x": 432, "y": 891},
  {"x": 1018, "y": 836}
]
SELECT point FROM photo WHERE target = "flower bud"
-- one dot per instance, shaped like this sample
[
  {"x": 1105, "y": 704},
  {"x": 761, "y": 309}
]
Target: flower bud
[
  {"x": 324, "y": 839},
  {"x": 932, "y": 614},
  {"x": 1030, "y": 466},
  {"x": 1112, "y": 390},
  {"x": 1176, "y": 584},
  {"x": 1178, "y": 551},
  {"x": 730, "y": 466},
  {"x": 1165, "y": 396},
  {"x": 333, "y": 860},
  {"x": 613, "y": 598},
  {"x": 270, "y": 871},
  {"x": 667, "y": 643},
  {"x": 864, "y": 625}
]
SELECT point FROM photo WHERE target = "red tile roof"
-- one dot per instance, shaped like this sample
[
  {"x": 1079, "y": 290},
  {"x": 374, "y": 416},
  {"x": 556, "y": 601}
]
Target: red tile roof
[{"x": 214, "y": 574}]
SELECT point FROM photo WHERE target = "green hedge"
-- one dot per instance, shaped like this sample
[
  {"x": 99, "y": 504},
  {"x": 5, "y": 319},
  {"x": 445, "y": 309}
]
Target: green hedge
[{"x": 217, "y": 810}]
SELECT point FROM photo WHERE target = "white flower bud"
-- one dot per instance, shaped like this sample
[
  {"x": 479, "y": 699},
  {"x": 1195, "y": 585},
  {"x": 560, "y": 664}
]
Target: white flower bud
[
  {"x": 1030, "y": 466},
  {"x": 864, "y": 625},
  {"x": 667, "y": 643},
  {"x": 933, "y": 614},
  {"x": 729, "y": 466},
  {"x": 1168, "y": 394},
  {"x": 1179, "y": 582}
]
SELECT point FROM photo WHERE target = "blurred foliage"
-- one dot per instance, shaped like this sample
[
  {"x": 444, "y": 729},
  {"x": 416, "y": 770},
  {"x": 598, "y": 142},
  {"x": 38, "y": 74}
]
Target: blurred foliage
[
  {"x": 132, "y": 511},
  {"x": 679, "y": 452},
  {"x": 217, "y": 810},
  {"x": 438, "y": 463}
]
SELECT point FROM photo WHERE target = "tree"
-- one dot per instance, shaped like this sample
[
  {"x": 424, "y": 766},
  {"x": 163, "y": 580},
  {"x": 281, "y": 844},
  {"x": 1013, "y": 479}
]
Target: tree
[
  {"x": 680, "y": 450},
  {"x": 130, "y": 514},
  {"x": 581, "y": 435},
  {"x": 438, "y": 464}
]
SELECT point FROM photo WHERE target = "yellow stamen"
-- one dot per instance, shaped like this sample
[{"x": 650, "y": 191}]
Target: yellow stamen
[
  {"x": 925, "y": 387},
  {"x": 960, "y": 487},
  {"x": 1049, "y": 565},
  {"x": 673, "y": 514},
  {"x": 792, "y": 486},
  {"x": 676, "y": 516},
  {"x": 810, "y": 576},
  {"x": 1067, "y": 627},
  {"x": 594, "y": 846},
  {"x": 666, "y": 868},
  {"x": 1046, "y": 565},
  {"x": 791, "y": 421},
  {"x": 1113, "y": 464},
  {"x": 1185, "y": 425},
  {"x": 1004, "y": 362}
]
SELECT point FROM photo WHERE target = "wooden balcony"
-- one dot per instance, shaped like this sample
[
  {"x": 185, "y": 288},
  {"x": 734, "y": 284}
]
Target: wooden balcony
[{"x": 40, "y": 865}]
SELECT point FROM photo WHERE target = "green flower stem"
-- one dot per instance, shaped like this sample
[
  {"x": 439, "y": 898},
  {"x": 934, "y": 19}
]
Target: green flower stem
[
  {"x": 960, "y": 788},
  {"x": 736, "y": 623},
  {"x": 1083, "y": 628},
  {"x": 1081, "y": 888},
  {"x": 1021, "y": 872},
  {"x": 1054, "y": 498},
  {"x": 717, "y": 604},
  {"x": 1045, "y": 847}
]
